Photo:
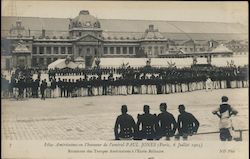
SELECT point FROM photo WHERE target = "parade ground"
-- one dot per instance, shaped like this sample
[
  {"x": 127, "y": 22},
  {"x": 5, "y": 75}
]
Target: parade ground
[{"x": 93, "y": 118}]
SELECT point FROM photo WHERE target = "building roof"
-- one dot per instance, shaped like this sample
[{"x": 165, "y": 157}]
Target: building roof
[
  {"x": 221, "y": 49},
  {"x": 165, "y": 62},
  {"x": 135, "y": 28}
]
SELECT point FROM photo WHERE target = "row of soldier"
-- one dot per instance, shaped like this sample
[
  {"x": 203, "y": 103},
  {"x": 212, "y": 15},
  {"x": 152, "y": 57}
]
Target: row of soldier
[
  {"x": 154, "y": 127},
  {"x": 111, "y": 86},
  {"x": 170, "y": 81}
]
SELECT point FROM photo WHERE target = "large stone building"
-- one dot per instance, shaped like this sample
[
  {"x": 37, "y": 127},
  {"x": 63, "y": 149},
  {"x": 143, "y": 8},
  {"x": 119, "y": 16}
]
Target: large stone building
[{"x": 34, "y": 41}]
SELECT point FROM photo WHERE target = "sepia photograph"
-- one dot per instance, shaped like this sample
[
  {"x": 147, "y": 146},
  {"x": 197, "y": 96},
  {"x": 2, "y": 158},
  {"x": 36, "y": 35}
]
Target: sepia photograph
[{"x": 139, "y": 76}]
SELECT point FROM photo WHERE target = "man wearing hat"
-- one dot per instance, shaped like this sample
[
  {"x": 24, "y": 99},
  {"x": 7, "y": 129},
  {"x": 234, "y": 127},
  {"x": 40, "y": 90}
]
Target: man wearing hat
[
  {"x": 148, "y": 123},
  {"x": 224, "y": 112},
  {"x": 125, "y": 127},
  {"x": 187, "y": 123},
  {"x": 167, "y": 123}
]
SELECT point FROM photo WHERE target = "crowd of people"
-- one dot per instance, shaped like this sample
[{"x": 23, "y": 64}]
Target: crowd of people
[{"x": 120, "y": 81}]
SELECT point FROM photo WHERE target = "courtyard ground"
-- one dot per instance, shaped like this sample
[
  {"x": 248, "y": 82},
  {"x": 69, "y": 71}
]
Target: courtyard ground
[{"x": 93, "y": 118}]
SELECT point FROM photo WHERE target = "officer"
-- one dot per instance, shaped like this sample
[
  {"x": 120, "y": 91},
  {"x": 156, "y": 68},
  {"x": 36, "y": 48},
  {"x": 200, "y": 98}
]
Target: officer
[
  {"x": 187, "y": 123},
  {"x": 149, "y": 125},
  {"x": 125, "y": 127},
  {"x": 224, "y": 112},
  {"x": 167, "y": 123}
]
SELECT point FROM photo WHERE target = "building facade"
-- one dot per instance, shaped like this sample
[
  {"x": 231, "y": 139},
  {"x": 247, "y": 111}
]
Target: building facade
[{"x": 86, "y": 38}]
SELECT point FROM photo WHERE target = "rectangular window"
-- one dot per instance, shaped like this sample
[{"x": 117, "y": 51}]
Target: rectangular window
[
  {"x": 124, "y": 50},
  {"x": 41, "y": 61},
  {"x": 41, "y": 50},
  {"x": 105, "y": 50},
  {"x": 48, "y": 49},
  {"x": 149, "y": 50},
  {"x": 156, "y": 50},
  {"x": 130, "y": 50},
  {"x": 48, "y": 61},
  {"x": 162, "y": 50},
  {"x": 62, "y": 50},
  {"x": 55, "y": 50},
  {"x": 111, "y": 50},
  {"x": 118, "y": 50},
  {"x": 69, "y": 50},
  {"x": 191, "y": 49},
  {"x": 34, "y": 61},
  {"x": 34, "y": 50}
]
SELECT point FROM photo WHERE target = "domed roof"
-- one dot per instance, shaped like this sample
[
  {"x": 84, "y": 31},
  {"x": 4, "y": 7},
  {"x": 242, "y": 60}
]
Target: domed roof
[
  {"x": 153, "y": 34},
  {"x": 84, "y": 20}
]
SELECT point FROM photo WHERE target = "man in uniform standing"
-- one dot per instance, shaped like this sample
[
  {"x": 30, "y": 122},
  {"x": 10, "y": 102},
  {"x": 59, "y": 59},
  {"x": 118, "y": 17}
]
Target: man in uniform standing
[
  {"x": 167, "y": 123},
  {"x": 125, "y": 127},
  {"x": 187, "y": 123},
  {"x": 224, "y": 112}
]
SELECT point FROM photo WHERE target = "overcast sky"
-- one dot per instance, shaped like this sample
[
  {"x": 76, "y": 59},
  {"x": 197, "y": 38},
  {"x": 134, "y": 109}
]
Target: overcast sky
[{"x": 149, "y": 10}]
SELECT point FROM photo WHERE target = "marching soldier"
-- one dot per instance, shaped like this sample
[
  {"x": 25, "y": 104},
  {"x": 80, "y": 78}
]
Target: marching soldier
[
  {"x": 148, "y": 123},
  {"x": 125, "y": 127},
  {"x": 167, "y": 123},
  {"x": 187, "y": 123}
]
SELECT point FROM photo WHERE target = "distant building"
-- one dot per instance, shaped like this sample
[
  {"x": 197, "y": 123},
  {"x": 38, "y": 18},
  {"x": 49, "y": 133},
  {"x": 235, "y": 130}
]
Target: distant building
[{"x": 38, "y": 42}]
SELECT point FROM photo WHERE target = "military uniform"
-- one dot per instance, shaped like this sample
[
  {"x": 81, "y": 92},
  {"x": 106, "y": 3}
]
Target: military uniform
[
  {"x": 167, "y": 125},
  {"x": 187, "y": 124},
  {"x": 149, "y": 126},
  {"x": 125, "y": 127}
]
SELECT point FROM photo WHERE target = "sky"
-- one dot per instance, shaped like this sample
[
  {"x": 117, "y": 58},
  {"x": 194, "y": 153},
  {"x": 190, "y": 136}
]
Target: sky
[{"x": 146, "y": 10}]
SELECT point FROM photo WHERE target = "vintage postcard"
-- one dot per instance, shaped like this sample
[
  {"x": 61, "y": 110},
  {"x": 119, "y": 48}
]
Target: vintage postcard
[{"x": 124, "y": 79}]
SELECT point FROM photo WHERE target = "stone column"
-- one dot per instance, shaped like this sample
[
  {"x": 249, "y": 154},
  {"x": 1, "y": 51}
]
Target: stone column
[
  {"x": 127, "y": 50},
  {"x": 14, "y": 60},
  {"x": 37, "y": 60},
  {"x": 121, "y": 49},
  {"x": 52, "y": 50},
  {"x": 59, "y": 50},
  {"x": 45, "y": 60},
  {"x": 45, "y": 49},
  {"x": 134, "y": 50},
  {"x": 115, "y": 50},
  {"x": 108, "y": 49},
  {"x": 29, "y": 61},
  {"x": 38, "y": 49},
  {"x": 66, "y": 49}
]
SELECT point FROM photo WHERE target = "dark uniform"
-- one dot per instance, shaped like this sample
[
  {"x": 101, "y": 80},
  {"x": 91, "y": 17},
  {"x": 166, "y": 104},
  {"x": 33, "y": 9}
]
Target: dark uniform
[
  {"x": 149, "y": 125},
  {"x": 125, "y": 127},
  {"x": 187, "y": 123},
  {"x": 167, "y": 123},
  {"x": 42, "y": 88}
]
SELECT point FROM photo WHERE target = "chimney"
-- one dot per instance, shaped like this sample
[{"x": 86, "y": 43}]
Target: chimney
[{"x": 43, "y": 33}]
